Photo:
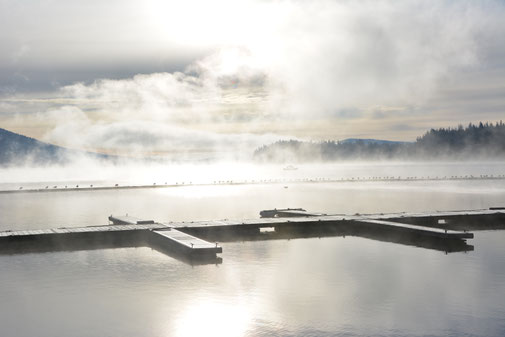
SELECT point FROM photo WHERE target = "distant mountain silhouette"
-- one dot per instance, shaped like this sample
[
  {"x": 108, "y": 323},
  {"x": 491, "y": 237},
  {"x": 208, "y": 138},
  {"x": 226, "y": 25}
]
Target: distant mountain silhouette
[
  {"x": 483, "y": 141},
  {"x": 16, "y": 149}
]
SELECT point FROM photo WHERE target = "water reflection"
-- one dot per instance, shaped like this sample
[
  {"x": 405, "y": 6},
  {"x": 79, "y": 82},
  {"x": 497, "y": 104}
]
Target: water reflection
[
  {"x": 207, "y": 317},
  {"x": 48, "y": 210},
  {"x": 312, "y": 286},
  {"x": 317, "y": 286}
]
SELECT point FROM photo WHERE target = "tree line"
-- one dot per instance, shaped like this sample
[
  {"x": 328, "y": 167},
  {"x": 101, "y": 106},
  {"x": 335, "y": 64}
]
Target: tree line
[{"x": 485, "y": 140}]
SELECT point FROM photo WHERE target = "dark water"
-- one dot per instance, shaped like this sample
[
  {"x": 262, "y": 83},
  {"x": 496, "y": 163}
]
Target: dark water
[{"x": 304, "y": 287}]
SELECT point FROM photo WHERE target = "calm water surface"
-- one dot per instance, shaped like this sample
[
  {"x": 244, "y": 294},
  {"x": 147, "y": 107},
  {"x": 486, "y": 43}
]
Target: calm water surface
[{"x": 304, "y": 287}]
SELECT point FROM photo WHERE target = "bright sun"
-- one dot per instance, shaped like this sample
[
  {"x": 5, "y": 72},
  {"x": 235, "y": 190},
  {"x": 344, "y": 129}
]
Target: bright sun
[{"x": 211, "y": 23}]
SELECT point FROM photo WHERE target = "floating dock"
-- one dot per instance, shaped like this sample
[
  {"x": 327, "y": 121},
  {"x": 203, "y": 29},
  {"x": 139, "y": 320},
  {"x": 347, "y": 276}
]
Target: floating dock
[
  {"x": 413, "y": 229},
  {"x": 287, "y": 213},
  {"x": 195, "y": 242},
  {"x": 129, "y": 232},
  {"x": 182, "y": 243}
]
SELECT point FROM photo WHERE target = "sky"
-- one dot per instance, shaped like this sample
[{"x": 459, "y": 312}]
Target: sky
[{"x": 204, "y": 77}]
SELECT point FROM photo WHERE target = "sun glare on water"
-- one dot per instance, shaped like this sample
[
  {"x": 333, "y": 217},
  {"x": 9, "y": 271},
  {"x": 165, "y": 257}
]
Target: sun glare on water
[{"x": 211, "y": 318}]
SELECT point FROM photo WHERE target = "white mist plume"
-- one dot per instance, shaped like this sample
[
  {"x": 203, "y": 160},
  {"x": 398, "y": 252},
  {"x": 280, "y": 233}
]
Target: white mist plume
[{"x": 305, "y": 61}]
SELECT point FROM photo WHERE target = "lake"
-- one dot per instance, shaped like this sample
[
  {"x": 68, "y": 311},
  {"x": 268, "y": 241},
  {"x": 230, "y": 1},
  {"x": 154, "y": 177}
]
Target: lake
[{"x": 303, "y": 287}]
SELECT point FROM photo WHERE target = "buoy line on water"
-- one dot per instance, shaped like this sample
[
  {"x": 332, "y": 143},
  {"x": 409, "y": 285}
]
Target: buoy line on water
[{"x": 67, "y": 188}]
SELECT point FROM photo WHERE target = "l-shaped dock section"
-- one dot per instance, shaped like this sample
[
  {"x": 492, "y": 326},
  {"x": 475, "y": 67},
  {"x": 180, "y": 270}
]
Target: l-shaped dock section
[{"x": 195, "y": 242}]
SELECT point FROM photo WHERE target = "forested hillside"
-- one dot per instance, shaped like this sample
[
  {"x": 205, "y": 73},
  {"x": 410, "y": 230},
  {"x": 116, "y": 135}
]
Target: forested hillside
[{"x": 473, "y": 142}]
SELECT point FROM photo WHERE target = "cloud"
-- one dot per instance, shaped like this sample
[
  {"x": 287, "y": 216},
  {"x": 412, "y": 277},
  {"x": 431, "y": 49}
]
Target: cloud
[
  {"x": 20, "y": 53},
  {"x": 140, "y": 138},
  {"x": 290, "y": 64},
  {"x": 146, "y": 131},
  {"x": 372, "y": 53}
]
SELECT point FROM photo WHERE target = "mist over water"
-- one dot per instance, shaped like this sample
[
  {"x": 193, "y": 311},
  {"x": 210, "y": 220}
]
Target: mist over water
[
  {"x": 103, "y": 174},
  {"x": 322, "y": 287},
  {"x": 239, "y": 190}
]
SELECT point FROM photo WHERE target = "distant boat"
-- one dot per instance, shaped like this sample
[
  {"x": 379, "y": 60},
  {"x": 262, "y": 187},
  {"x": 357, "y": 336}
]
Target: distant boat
[{"x": 290, "y": 168}]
